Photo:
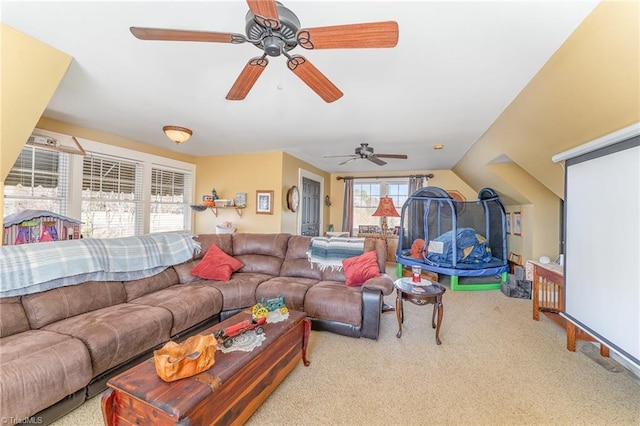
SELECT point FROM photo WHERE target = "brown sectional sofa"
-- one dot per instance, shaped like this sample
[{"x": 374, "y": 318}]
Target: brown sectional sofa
[{"x": 59, "y": 347}]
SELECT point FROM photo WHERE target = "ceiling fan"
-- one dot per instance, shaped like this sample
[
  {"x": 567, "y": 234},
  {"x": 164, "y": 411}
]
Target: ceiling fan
[
  {"x": 275, "y": 30},
  {"x": 365, "y": 152}
]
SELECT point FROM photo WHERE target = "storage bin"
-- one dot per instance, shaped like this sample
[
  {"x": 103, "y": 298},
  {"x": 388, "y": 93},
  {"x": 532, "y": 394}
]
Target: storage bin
[{"x": 225, "y": 230}]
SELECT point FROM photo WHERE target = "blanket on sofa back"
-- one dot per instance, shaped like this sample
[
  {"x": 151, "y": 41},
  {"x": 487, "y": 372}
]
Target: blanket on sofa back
[
  {"x": 330, "y": 252},
  {"x": 31, "y": 268}
]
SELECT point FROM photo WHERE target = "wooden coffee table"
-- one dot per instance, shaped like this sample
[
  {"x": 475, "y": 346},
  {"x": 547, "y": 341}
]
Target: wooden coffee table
[{"x": 228, "y": 393}]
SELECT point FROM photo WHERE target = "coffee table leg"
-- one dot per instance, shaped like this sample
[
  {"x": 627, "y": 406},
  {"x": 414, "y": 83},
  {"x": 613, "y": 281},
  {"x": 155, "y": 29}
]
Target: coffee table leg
[
  {"x": 399, "y": 312},
  {"x": 440, "y": 309},
  {"x": 306, "y": 330},
  {"x": 433, "y": 315},
  {"x": 108, "y": 406}
]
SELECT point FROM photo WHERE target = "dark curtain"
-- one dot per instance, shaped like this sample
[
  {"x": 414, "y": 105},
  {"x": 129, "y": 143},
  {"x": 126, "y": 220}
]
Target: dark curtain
[{"x": 347, "y": 213}]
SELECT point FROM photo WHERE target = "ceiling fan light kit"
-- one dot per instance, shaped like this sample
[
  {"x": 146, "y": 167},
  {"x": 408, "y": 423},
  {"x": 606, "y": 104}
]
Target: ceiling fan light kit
[{"x": 276, "y": 30}]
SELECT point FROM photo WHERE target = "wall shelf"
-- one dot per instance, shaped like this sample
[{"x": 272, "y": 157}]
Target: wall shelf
[{"x": 214, "y": 209}]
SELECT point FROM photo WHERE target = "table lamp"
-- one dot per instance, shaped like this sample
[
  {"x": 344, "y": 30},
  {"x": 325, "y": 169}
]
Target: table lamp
[{"x": 385, "y": 209}]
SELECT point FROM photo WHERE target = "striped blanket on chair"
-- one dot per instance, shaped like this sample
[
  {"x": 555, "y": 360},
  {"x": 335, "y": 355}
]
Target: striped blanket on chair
[{"x": 330, "y": 252}]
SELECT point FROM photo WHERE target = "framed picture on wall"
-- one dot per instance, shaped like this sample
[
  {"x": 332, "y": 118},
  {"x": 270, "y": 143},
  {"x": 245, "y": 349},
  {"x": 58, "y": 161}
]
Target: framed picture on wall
[
  {"x": 508, "y": 219},
  {"x": 264, "y": 202},
  {"x": 517, "y": 223}
]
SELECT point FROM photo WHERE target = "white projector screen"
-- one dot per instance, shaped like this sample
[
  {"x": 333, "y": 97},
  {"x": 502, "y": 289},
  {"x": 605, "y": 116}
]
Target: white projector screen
[{"x": 602, "y": 240}]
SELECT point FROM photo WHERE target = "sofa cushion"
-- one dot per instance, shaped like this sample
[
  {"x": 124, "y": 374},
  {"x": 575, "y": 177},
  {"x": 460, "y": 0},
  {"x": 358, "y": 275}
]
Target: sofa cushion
[
  {"x": 334, "y": 301},
  {"x": 138, "y": 288},
  {"x": 221, "y": 240},
  {"x": 370, "y": 244},
  {"x": 359, "y": 269},
  {"x": 13, "y": 319},
  {"x": 116, "y": 333},
  {"x": 184, "y": 272},
  {"x": 216, "y": 265},
  {"x": 265, "y": 244},
  {"x": 292, "y": 288},
  {"x": 64, "y": 302},
  {"x": 39, "y": 368},
  {"x": 260, "y": 253},
  {"x": 240, "y": 291},
  {"x": 189, "y": 305},
  {"x": 296, "y": 262}
]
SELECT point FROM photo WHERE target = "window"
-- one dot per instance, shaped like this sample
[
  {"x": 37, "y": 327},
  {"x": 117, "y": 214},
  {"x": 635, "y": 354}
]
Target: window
[
  {"x": 115, "y": 191},
  {"x": 38, "y": 180},
  {"x": 170, "y": 199},
  {"x": 366, "y": 197},
  {"x": 399, "y": 192},
  {"x": 111, "y": 197}
]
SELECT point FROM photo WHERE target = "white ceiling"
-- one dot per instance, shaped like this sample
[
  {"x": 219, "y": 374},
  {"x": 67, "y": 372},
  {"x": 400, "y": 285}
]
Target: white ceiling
[{"x": 456, "y": 67}]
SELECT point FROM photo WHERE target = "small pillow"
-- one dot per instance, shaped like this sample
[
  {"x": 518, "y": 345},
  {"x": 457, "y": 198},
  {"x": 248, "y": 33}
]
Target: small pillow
[
  {"x": 216, "y": 265},
  {"x": 359, "y": 269}
]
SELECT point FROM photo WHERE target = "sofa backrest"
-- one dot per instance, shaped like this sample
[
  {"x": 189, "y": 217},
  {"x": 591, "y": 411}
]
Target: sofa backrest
[
  {"x": 138, "y": 288},
  {"x": 206, "y": 240},
  {"x": 260, "y": 253},
  {"x": 296, "y": 262},
  {"x": 13, "y": 319},
  {"x": 369, "y": 244},
  {"x": 64, "y": 302}
]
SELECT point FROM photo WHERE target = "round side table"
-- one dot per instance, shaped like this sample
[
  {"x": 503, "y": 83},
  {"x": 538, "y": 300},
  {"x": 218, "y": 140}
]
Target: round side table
[{"x": 423, "y": 293}]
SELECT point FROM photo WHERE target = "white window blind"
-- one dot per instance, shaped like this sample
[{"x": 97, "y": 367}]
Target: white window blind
[
  {"x": 170, "y": 199},
  {"x": 38, "y": 180},
  {"x": 111, "y": 197}
]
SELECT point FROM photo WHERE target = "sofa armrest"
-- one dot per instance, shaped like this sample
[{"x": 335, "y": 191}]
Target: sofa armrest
[
  {"x": 371, "y": 311},
  {"x": 382, "y": 283}
]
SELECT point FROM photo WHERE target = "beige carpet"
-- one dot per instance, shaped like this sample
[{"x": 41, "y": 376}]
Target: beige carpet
[{"x": 495, "y": 366}]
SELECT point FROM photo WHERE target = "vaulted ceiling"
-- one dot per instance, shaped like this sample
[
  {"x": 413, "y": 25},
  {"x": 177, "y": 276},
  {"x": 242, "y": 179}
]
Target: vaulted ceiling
[{"x": 456, "y": 67}]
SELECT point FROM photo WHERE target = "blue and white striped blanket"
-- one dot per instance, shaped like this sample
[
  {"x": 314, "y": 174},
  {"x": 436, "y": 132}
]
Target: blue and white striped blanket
[
  {"x": 30, "y": 268},
  {"x": 330, "y": 252}
]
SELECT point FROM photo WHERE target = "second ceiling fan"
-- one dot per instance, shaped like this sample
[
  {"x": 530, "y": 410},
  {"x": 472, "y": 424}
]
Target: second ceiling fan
[
  {"x": 276, "y": 30},
  {"x": 365, "y": 152}
]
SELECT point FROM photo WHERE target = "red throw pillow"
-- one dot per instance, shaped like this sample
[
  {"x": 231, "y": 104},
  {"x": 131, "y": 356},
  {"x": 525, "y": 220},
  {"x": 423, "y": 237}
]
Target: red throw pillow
[
  {"x": 216, "y": 265},
  {"x": 359, "y": 269}
]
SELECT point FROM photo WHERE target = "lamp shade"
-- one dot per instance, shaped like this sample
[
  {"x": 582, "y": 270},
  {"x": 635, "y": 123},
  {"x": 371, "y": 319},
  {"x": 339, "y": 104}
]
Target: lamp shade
[
  {"x": 386, "y": 208},
  {"x": 177, "y": 134}
]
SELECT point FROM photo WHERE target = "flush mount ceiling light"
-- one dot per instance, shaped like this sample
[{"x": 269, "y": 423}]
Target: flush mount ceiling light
[
  {"x": 177, "y": 134},
  {"x": 438, "y": 146}
]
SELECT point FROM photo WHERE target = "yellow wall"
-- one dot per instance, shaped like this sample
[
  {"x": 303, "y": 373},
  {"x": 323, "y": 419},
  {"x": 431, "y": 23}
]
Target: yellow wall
[
  {"x": 229, "y": 174},
  {"x": 444, "y": 179},
  {"x": 290, "y": 176},
  {"x": 589, "y": 88},
  {"x": 31, "y": 72}
]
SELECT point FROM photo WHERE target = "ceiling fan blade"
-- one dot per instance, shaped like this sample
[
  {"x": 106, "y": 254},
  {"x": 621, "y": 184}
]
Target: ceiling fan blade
[
  {"x": 314, "y": 78},
  {"x": 338, "y": 156},
  {"x": 376, "y": 160},
  {"x": 348, "y": 161},
  {"x": 184, "y": 35},
  {"x": 400, "y": 156},
  {"x": 265, "y": 13},
  {"x": 247, "y": 78},
  {"x": 373, "y": 34}
]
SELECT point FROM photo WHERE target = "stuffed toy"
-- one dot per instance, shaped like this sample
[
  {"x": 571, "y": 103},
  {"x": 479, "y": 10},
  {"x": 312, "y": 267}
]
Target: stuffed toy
[{"x": 417, "y": 249}]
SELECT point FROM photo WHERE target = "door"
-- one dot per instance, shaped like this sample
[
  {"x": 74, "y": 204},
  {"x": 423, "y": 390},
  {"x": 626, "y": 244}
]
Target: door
[{"x": 310, "y": 211}]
